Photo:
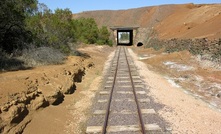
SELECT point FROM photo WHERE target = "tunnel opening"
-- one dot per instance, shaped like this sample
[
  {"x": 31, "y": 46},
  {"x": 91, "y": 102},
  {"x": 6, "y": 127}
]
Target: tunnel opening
[
  {"x": 125, "y": 37},
  {"x": 139, "y": 44}
]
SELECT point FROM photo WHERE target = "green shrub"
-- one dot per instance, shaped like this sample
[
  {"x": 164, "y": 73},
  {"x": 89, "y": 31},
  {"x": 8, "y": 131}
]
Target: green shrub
[
  {"x": 52, "y": 29},
  {"x": 87, "y": 31},
  {"x": 29, "y": 25},
  {"x": 13, "y": 33}
]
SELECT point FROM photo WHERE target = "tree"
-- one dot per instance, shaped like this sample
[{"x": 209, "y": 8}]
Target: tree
[
  {"x": 27, "y": 22},
  {"x": 86, "y": 30},
  {"x": 104, "y": 35},
  {"x": 13, "y": 33},
  {"x": 51, "y": 29}
]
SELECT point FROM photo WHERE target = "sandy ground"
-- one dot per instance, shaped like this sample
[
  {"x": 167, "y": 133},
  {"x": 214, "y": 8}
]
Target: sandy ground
[
  {"x": 185, "y": 113},
  {"x": 70, "y": 116}
]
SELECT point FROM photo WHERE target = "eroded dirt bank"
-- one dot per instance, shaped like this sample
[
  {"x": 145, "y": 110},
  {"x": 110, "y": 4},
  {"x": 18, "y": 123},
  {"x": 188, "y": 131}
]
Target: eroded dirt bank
[
  {"x": 186, "y": 86},
  {"x": 169, "y": 76},
  {"x": 24, "y": 94},
  {"x": 71, "y": 115}
]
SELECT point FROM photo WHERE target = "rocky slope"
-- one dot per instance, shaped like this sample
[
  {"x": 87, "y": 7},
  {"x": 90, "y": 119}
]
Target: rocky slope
[{"x": 170, "y": 21}]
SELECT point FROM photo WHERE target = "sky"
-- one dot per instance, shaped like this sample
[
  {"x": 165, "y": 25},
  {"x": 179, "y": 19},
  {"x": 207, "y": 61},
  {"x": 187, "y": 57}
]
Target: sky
[{"x": 77, "y": 6}]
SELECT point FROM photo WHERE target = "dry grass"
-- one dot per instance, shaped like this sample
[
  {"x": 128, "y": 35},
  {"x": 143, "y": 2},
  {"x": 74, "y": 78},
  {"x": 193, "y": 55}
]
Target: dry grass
[
  {"x": 29, "y": 58},
  {"x": 41, "y": 56}
]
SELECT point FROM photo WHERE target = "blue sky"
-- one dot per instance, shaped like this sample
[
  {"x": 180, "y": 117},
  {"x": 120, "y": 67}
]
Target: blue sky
[{"x": 77, "y": 6}]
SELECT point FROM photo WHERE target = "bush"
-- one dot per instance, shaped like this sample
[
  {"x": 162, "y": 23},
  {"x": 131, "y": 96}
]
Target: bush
[
  {"x": 42, "y": 56},
  {"x": 13, "y": 32},
  {"x": 28, "y": 23},
  {"x": 51, "y": 29},
  {"x": 87, "y": 31}
]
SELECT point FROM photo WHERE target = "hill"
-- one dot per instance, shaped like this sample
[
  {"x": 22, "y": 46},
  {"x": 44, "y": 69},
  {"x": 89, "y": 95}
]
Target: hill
[{"x": 170, "y": 21}]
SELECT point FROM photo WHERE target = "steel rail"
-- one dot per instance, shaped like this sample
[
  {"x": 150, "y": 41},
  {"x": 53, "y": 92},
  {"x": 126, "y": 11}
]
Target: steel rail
[
  {"x": 135, "y": 96},
  {"x": 110, "y": 97}
]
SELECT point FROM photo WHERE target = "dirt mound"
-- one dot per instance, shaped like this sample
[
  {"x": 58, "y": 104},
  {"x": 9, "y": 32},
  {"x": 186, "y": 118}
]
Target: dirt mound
[{"x": 170, "y": 21}]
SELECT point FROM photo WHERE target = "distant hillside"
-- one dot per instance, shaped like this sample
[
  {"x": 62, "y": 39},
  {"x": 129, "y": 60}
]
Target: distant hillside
[{"x": 170, "y": 21}]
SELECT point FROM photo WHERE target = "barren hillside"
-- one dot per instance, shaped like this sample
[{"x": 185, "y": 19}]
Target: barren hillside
[{"x": 170, "y": 21}]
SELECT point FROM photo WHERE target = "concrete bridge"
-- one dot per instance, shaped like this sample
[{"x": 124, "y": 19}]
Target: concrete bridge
[{"x": 119, "y": 30}]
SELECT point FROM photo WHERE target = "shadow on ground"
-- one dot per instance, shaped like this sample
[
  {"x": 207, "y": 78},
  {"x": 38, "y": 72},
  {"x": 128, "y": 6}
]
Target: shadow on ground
[{"x": 12, "y": 64}]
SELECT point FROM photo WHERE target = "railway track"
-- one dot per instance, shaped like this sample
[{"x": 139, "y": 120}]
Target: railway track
[{"x": 123, "y": 106}]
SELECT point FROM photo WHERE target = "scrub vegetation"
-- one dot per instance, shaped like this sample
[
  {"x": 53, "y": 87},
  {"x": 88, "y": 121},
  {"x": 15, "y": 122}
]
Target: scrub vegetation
[{"x": 28, "y": 27}]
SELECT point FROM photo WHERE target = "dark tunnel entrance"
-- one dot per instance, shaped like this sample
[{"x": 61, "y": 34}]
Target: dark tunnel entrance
[
  {"x": 139, "y": 44},
  {"x": 125, "y": 37}
]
